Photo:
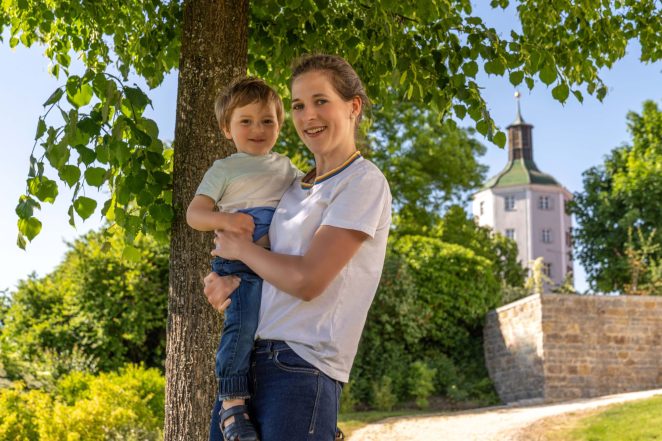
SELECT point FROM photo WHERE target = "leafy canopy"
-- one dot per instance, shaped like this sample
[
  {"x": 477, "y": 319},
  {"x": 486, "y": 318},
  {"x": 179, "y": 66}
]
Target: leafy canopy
[
  {"x": 619, "y": 209},
  {"x": 429, "y": 53}
]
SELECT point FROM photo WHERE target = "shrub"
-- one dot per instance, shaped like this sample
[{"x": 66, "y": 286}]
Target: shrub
[
  {"x": 421, "y": 383},
  {"x": 383, "y": 397},
  {"x": 124, "y": 405},
  {"x": 347, "y": 400}
]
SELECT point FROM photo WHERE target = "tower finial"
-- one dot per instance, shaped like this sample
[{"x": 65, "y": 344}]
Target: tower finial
[{"x": 518, "y": 117}]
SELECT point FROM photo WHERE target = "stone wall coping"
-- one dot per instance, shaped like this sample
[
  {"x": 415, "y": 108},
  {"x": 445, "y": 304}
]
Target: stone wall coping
[
  {"x": 605, "y": 297},
  {"x": 531, "y": 298}
]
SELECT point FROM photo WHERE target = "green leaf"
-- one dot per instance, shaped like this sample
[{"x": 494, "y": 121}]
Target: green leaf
[
  {"x": 25, "y": 207},
  {"x": 137, "y": 98},
  {"x": 529, "y": 82},
  {"x": 43, "y": 188},
  {"x": 81, "y": 97},
  {"x": 69, "y": 174},
  {"x": 70, "y": 212},
  {"x": 58, "y": 155},
  {"x": 494, "y": 67},
  {"x": 578, "y": 95},
  {"x": 482, "y": 127},
  {"x": 41, "y": 129},
  {"x": 516, "y": 77},
  {"x": 20, "y": 241},
  {"x": 500, "y": 139},
  {"x": 548, "y": 74},
  {"x": 29, "y": 227},
  {"x": 561, "y": 92},
  {"x": 85, "y": 155},
  {"x": 470, "y": 68},
  {"x": 55, "y": 97},
  {"x": 131, "y": 253},
  {"x": 95, "y": 176},
  {"x": 161, "y": 212},
  {"x": 85, "y": 206},
  {"x": 460, "y": 111}
]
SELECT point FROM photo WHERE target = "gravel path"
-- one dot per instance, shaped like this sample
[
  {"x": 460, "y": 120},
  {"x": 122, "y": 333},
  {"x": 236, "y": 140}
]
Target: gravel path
[{"x": 490, "y": 424}]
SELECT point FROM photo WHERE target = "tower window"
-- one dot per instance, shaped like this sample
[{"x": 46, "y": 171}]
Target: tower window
[
  {"x": 510, "y": 233},
  {"x": 482, "y": 207},
  {"x": 547, "y": 235},
  {"x": 547, "y": 269},
  {"x": 509, "y": 203},
  {"x": 568, "y": 239},
  {"x": 544, "y": 203}
]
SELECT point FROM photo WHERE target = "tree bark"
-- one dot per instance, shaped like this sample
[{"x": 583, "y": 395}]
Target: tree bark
[{"x": 214, "y": 51}]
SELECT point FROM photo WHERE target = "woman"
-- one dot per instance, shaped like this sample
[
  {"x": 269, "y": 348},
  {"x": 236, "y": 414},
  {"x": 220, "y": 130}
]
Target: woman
[{"x": 328, "y": 241}]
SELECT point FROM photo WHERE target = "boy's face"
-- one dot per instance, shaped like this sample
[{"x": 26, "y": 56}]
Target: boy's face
[{"x": 253, "y": 128}]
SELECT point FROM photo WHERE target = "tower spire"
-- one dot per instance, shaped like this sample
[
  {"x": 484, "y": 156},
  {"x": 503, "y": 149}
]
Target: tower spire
[{"x": 520, "y": 142}]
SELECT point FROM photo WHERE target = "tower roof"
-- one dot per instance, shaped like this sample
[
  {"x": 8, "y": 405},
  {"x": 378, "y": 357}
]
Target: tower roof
[
  {"x": 520, "y": 169},
  {"x": 520, "y": 172}
]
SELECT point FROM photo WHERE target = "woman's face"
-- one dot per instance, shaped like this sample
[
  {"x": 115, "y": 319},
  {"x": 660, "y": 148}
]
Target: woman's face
[{"x": 324, "y": 121}]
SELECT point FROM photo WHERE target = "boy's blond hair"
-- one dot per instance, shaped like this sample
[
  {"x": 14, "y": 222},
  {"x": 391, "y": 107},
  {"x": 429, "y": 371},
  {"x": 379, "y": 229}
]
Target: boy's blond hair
[{"x": 242, "y": 92}]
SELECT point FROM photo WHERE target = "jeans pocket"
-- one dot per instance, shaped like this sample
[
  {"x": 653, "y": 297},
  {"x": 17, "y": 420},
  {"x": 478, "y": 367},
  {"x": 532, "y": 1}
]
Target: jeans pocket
[{"x": 288, "y": 361}]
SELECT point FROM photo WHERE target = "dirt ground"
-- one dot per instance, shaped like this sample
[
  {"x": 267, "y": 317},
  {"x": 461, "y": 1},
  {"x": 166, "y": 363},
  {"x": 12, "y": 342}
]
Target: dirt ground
[{"x": 502, "y": 423}]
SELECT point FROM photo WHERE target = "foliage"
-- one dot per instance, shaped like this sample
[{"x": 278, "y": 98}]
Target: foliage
[
  {"x": 348, "y": 401},
  {"x": 428, "y": 308},
  {"x": 428, "y": 163},
  {"x": 402, "y": 49},
  {"x": 124, "y": 405},
  {"x": 621, "y": 194},
  {"x": 421, "y": 383},
  {"x": 383, "y": 397},
  {"x": 97, "y": 310},
  {"x": 458, "y": 228}
]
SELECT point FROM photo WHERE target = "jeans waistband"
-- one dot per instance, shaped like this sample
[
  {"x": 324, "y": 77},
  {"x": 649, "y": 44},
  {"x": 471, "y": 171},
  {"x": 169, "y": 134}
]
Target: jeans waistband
[{"x": 262, "y": 346}]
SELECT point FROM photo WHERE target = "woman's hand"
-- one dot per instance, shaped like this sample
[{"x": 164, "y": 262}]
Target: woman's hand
[
  {"x": 229, "y": 245},
  {"x": 218, "y": 290},
  {"x": 240, "y": 223}
]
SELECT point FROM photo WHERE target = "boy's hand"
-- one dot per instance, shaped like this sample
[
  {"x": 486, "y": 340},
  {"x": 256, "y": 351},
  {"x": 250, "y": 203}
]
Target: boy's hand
[{"x": 241, "y": 224}]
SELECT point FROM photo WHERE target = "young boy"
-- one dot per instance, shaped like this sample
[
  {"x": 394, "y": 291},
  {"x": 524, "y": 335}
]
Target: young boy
[{"x": 247, "y": 183}]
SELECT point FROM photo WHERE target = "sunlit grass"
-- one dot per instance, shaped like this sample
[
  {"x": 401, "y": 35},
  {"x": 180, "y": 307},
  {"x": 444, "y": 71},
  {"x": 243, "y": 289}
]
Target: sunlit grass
[{"x": 637, "y": 421}]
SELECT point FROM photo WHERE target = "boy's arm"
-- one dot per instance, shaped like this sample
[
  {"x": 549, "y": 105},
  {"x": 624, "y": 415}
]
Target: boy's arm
[{"x": 202, "y": 216}]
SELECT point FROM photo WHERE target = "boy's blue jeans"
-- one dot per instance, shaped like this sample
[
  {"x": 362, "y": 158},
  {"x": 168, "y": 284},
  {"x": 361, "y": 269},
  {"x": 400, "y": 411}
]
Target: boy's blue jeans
[{"x": 234, "y": 351}]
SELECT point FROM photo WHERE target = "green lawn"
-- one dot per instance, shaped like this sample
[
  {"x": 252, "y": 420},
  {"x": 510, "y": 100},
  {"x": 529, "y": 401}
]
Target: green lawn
[{"x": 637, "y": 421}]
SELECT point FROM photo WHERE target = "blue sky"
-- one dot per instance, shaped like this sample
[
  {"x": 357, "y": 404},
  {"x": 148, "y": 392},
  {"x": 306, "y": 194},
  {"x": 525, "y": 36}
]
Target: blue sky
[{"x": 567, "y": 139}]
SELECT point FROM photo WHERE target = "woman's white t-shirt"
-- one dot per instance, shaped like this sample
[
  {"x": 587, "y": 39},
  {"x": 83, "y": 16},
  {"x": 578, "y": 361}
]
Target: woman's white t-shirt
[{"x": 326, "y": 330}]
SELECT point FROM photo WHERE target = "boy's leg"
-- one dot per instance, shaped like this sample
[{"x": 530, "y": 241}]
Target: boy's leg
[{"x": 233, "y": 357}]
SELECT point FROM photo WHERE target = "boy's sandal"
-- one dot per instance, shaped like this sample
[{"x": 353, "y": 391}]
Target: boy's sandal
[
  {"x": 340, "y": 436},
  {"x": 241, "y": 429}
]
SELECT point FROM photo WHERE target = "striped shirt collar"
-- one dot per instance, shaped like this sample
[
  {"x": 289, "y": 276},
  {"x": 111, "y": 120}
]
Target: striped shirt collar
[{"x": 329, "y": 174}]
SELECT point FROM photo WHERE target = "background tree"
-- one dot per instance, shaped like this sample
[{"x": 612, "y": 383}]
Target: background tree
[
  {"x": 426, "y": 52},
  {"x": 95, "y": 312},
  {"x": 618, "y": 212}
]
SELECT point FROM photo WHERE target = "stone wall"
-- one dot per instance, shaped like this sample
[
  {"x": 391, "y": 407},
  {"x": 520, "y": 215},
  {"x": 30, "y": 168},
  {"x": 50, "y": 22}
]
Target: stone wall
[{"x": 559, "y": 347}]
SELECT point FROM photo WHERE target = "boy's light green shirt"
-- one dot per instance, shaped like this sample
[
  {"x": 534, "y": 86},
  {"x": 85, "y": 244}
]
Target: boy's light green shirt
[{"x": 243, "y": 181}]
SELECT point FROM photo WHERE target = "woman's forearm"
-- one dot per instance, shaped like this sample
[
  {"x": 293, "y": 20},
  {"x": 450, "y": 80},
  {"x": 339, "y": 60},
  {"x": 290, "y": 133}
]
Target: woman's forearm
[
  {"x": 307, "y": 276},
  {"x": 285, "y": 272}
]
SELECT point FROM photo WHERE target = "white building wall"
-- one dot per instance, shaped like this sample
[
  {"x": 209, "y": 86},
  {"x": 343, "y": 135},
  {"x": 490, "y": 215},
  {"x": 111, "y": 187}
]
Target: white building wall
[{"x": 529, "y": 220}]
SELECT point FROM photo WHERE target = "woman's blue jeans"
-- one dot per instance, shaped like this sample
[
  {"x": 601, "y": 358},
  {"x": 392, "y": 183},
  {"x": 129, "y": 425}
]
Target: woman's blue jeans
[
  {"x": 234, "y": 351},
  {"x": 291, "y": 400}
]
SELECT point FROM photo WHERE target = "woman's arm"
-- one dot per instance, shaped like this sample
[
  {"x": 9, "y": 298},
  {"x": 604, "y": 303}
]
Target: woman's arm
[
  {"x": 304, "y": 277},
  {"x": 201, "y": 216}
]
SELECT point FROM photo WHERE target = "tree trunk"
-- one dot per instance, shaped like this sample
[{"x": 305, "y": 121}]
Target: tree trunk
[{"x": 214, "y": 50}]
